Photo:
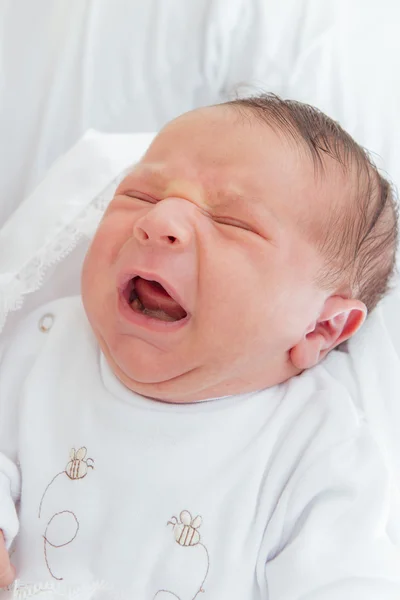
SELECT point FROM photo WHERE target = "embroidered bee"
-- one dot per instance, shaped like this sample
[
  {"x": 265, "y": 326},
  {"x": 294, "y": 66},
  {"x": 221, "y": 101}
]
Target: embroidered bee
[
  {"x": 78, "y": 466},
  {"x": 185, "y": 530}
]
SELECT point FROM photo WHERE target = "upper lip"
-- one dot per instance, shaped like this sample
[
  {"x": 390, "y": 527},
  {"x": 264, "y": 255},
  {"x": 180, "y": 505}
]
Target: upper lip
[{"x": 126, "y": 276}]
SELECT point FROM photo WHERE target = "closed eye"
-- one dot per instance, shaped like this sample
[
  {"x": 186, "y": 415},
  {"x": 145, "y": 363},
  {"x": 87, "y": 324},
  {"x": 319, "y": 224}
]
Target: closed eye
[
  {"x": 222, "y": 220},
  {"x": 234, "y": 223},
  {"x": 140, "y": 196}
]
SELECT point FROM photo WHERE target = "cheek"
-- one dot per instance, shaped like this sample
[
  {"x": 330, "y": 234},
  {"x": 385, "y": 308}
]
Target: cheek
[
  {"x": 100, "y": 257},
  {"x": 249, "y": 296},
  {"x": 112, "y": 233},
  {"x": 238, "y": 295}
]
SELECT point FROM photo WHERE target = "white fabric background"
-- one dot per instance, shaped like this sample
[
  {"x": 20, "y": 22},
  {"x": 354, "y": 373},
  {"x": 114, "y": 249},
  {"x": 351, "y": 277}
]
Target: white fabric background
[{"x": 131, "y": 65}]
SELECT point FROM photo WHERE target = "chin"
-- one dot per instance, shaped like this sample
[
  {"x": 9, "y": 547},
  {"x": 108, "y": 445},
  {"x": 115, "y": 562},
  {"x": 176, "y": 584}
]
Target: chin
[
  {"x": 141, "y": 374},
  {"x": 161, "y": 382},
  {"x": 155, "y": 385},
  {"x": 141, "y": 364}
]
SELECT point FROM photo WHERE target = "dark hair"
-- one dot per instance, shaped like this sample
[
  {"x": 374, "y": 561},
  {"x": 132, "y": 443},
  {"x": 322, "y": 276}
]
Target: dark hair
[{"x": 359, "y": 242}]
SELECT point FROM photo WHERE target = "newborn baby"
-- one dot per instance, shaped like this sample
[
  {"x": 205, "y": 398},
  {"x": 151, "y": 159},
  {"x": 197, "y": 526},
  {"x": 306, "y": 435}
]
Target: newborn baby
[{"x": 175, "y": 432}]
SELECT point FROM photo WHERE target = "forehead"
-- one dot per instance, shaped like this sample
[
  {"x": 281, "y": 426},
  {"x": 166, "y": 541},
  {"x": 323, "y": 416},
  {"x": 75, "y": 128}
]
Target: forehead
[{"x": 219, "y": 154}]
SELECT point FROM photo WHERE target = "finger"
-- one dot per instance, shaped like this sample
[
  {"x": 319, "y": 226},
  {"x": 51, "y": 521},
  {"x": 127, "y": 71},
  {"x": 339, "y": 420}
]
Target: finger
[
  {"x": 7, "y": 571},
  {"x": 7, "y": 574}
]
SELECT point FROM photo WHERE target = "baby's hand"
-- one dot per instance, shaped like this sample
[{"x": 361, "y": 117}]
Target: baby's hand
[{"x": 7, "y": 571}]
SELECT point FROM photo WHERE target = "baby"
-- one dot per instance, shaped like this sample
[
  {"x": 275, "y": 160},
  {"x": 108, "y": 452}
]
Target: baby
[{"x": 175, "y": 433}]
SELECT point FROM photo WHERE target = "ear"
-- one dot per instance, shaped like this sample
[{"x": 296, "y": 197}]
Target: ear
[{"x": 339, "y": 320}]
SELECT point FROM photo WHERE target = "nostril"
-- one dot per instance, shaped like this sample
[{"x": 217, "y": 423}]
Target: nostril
[
  {"x": 141, "y": 234},
  {"x": 171, "y": 238}
]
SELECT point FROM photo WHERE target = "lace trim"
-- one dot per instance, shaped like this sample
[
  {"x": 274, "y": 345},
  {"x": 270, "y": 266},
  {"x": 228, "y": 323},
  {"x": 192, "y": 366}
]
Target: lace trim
[
  {"x": 15, "y": 286},
  {"x": 61, "y": 591}
]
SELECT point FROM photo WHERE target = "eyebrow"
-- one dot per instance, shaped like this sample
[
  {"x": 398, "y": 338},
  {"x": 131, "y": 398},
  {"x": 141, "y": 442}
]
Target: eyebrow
[
  {"x": 229, "y": 196},
  {"x": 159, "y": 173},
  {"x": 225, "y": 196}
]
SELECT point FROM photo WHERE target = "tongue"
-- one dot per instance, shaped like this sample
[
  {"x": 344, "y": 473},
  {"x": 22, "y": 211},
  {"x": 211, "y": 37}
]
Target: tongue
[{"x": 154, "y": 298}]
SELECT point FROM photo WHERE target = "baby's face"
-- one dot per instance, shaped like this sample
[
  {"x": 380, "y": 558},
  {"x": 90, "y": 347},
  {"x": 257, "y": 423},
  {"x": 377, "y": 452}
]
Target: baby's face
[{"x": 212, "y": 213}]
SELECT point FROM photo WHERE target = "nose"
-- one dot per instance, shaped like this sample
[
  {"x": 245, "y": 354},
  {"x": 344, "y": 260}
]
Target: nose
[{"x": 167, "y": 223}]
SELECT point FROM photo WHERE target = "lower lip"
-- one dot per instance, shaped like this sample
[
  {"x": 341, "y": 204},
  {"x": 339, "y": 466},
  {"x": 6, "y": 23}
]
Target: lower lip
[{"x": 145, "y": 321}]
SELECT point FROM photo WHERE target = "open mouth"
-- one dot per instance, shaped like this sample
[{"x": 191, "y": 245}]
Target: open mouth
[{"x": 151, "y": 299}]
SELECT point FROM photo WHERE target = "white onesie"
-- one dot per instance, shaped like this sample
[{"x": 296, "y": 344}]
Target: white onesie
[{"x": 275, "y": 495}]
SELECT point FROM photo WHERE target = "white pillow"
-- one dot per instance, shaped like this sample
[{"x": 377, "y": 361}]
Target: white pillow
[{"x": 122, "y": 66}]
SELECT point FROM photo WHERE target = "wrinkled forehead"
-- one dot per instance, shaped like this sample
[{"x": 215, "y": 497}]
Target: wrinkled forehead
[
  {"x": 215, "y": 151},
  {"x": 214, "y": 147}
]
